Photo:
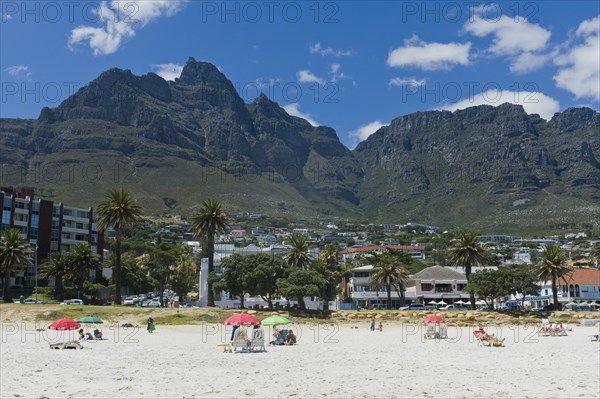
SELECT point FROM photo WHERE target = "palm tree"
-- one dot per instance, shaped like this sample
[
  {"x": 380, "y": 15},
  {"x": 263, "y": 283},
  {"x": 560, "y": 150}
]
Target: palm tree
[
  {"x": 467, "y": 252},
  {"x": 386, "y": 273},
  {"x": 552, "y": 267},
  {"x": 331, "y": 271},
  {"x": 14, "y": 255},
  {"x": 80, "y": 262},
  {"x": 55, "y": 266},
  {"x": 207, "y": 221},
  {"x": 298, "y": 256},
  {"x": 118, "y": 210}
]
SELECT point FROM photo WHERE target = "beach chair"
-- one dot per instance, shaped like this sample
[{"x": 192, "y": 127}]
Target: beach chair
[
  {"x": 443, "y": 331},
  {"x": 66, "y": 345},
  {"x": 257, "y": 343},
  {"x": 430, "y": 332},
  {"x": 240, "y": 341},
  {"x": 483, "y": 340}
]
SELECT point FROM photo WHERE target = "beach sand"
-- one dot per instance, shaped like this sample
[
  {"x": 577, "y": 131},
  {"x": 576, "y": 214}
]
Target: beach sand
[{"x": 329, "y": 361}]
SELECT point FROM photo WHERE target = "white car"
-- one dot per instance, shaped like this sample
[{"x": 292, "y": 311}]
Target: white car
[
  {"x": 153, "y": 304},
  {"x": 32, "y": 301},
  {"x": 72, "y": 302},
  {"x": 130, "y": 301}
]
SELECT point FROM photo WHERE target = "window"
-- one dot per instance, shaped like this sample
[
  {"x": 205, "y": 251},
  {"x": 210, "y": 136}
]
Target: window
[
  {"x": 6, "y": 216},
  {"x": 35, "y": 208},
  {"x": 426, "y": 287},
  {"x": 35, "y": 219},
  {"x": 361, "y": 274},
  {"x": 7, "y": 204},
  {"x": 19, "y": 205},
  {"x": 34, "y": 233}
]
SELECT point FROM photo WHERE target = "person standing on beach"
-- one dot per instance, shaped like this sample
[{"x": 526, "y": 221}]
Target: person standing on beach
[
  {"x": 372, "y": 323},
  {"x": 150, "y": 327},
  {"x": 380, "y": 327}
]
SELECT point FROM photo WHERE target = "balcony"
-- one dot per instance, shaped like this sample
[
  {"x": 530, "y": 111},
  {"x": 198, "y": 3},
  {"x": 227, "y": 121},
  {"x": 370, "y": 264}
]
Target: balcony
[{"x": 68, "y": 229}]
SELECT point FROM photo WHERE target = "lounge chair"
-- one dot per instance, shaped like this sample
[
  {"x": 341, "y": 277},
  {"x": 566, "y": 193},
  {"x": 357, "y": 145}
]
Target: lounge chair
[
  {"x": 485, "y": 340},
  {"x": 430, "y": 332},
  {"x": 257, "y": 343},
  {"x": 443, "y": 331},
  {"x": 66, "y": 345},
  {"x": 240, "y": 341}
]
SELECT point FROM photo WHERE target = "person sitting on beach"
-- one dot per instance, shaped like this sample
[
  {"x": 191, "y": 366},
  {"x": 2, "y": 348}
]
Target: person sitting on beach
[
  {"x": 97, "y": 334},
  {"x": 290, "y": 339},
  {"x": 485, "y": 335}
]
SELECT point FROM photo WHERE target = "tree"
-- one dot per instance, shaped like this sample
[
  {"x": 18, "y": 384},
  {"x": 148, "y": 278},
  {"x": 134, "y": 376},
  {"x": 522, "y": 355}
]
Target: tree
[
  {"x": 207, "y": 221},
  {"x": 14, "y": 256},
  {"x": 134, "y": 273},
  {"x": 300, "y": 283},
  {"x": 489, "y": 285},
  {"x": 552, "y": 267},
  {"x": 118, "y": 210},
  {"x": 80, "y": 262},
  {"x": 236, "y": 269},
  {"x": 184, "y": 274},
  {"x": 388, "y": 271},
  {"x": 523, "y": 282},
  {"x": 467, "y": 252},
  {"x": 55, "y": 266},
  {"x": 263, "y": 276},
  {"x": 158, "y": 264},
  {"x": 330, "y": 271},
  {"x": 298, "y": 258}
]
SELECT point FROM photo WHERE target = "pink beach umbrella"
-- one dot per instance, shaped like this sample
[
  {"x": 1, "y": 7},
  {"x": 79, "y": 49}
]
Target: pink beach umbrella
[{"x": 434, "y": 319}]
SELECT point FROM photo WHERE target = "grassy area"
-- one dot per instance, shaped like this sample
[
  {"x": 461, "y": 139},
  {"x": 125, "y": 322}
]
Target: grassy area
[{"x": 192, "y": 316}]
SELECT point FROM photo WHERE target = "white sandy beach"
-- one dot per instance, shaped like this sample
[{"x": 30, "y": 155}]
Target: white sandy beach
[{"x": 184, "y": 362}]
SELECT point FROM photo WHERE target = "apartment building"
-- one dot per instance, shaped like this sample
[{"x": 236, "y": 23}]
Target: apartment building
[{"x": 48, "y": 226}]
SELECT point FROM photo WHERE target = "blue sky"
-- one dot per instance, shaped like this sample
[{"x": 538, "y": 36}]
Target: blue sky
[{"x": 352, "y": 65}]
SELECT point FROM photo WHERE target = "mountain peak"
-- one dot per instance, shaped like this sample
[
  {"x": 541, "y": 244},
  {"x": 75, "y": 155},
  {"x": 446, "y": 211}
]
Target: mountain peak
[{"x": 195, "y": 72}]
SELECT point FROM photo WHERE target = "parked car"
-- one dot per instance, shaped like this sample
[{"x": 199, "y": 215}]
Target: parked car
[
  {"x": 72, "y": 302},
  {"x": 32, "y": 301},
  {"x": 449, "y": 307},
  {"x": 152, "y": 304},
  {"x": 414, "y": 306},
  {"x": 129, "y": 301}
]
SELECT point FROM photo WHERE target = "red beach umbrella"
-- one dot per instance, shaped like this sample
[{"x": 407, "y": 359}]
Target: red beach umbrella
[
  {"x": 434, "y": 319},
  {"x": 242, "y": 319},
  {"x": 64, "y": 325}
]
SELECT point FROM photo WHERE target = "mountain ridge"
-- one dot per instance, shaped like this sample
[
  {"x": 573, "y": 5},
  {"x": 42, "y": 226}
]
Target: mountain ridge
[{"x": 183, "y": 140}]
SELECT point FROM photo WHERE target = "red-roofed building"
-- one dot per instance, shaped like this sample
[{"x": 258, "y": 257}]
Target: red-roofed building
[{"x": 581, "y": 285}]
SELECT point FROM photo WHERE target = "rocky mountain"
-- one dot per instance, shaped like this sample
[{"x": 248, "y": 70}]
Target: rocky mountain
[{"x": 174, "y": 143}]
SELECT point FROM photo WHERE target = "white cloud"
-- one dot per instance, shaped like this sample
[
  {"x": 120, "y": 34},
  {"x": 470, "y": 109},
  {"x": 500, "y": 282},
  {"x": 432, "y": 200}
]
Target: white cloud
[
  {"x": 527, "y": 62},
  {"x": 120, "y": 20},
  {"x": 532, "y": 102},
  {"x": 306, "y": 76},
  {"x": 517, "y": 38},
  {"x": 411, "y": 81},
  {"x": 168, "y": 71},
  {"x": 336, "y": 74},
  {"x": 293, "y": 109},
  {"x": 579, "y": 67},
  {"x": 364, "y": 131},
  {"x": 429, "y": 56},
  {"x": 317, "y": 49},
  {"x": 17, "y": 70}
]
